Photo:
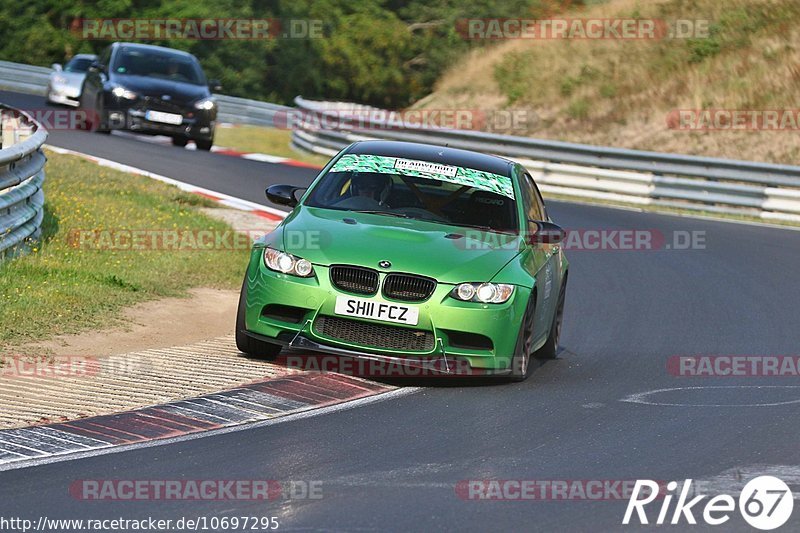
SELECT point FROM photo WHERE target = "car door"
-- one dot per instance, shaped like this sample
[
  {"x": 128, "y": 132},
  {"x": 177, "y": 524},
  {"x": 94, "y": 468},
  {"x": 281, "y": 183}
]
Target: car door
[
  {"x": 555, "y": 250},
  {"x": 94, "y": 81},
  {"x": 543, "y": 259}
]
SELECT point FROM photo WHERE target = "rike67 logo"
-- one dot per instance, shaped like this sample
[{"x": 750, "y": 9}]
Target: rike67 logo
[{"x": 765, "y": 503}]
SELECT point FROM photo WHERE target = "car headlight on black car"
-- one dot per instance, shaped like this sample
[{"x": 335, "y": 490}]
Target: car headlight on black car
[
  {"x": 287, "y": 263},
  {"x": 122, "y": 92},
  {"x": 487, "y": 293},
  {"x": 206, "y": 104}
]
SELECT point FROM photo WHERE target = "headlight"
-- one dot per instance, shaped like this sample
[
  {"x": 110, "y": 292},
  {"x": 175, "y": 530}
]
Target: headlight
[
  {"x": 206, "y": 104},
  {"x": 488, "y": 293},
  {"x": 122, "y": 92},
  {"x": 287, "y": 263}
]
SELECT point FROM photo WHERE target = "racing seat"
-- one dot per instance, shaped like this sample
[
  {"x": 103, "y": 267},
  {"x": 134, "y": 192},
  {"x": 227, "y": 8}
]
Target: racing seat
[{"x": 490, "y": 209}]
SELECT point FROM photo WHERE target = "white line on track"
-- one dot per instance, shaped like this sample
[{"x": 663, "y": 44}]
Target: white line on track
[
  {"x": 230, "y": 201},
  {"x": 308, "y": 413},
  {"x": 643, "y": 397}
]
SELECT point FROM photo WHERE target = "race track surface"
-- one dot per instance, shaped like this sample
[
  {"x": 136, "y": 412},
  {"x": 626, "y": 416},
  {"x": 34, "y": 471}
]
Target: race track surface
[{"x": 395, "y": 465}]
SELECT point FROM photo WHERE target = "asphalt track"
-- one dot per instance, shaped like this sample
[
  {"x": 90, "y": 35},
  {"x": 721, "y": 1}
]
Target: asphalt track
[{"x": 394, "y": 465}]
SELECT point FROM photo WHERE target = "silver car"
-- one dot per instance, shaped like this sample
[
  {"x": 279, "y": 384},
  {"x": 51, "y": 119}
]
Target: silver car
[{"x": 64, "y": 86}]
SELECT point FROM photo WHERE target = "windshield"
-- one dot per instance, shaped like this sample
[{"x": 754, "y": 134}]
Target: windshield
[
  {"x": 419, "y": 190},
  {"x": 158, "y": 64},
  {"x": 78, "y": 64}
]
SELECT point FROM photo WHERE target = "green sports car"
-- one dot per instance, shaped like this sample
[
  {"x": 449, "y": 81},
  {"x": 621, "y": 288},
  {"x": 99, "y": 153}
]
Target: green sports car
[{"x": 410, "y": 254}]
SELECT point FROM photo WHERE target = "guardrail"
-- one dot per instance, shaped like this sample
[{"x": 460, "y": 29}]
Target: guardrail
[
  {"x": 724, "y": 186},
  {"x": 33, "y": 80},
  {"x": 707, "y": 184},
  {"x": 244, "y": 111},
  {"x": 21, "y": 178}
]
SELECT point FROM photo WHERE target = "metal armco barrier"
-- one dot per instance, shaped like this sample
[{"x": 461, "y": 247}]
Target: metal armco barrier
[
  {"x": 33, "y": 80},
  {"x": 707, "y": 184},
  {"x": 243, "y": 111},
  {"x": 21, "y": 178},
  {"x": 726, "y": 186}
]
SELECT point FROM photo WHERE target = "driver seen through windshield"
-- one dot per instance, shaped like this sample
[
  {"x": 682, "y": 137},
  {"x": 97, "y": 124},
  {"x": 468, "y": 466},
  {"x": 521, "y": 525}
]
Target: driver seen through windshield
[{"x": 486, "y": 201}]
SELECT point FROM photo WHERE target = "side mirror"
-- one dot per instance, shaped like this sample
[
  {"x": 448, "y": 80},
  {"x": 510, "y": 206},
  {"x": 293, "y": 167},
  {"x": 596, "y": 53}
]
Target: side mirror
[
  {"x": 97, "y": 66},
  {"x": 56, "y": 67},
  {"x": 546, "y": 233},
  {"x": 215, "y": 86},
  {"x": 284, "y": 194}
]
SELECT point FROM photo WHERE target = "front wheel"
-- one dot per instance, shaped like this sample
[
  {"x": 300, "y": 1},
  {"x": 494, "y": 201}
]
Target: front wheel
[
  {"x": 85, "y": 118},
  {"x": 520, "y": 363},
  {"x": 246, "y": 344},
  {"x": 101, "y": 119},
  {"x": 204, "y": 145},
  {"x": 550, "y": 348}
]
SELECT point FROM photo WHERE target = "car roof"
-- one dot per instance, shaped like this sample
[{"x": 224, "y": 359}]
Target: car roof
[
  {"x": 153, "y": 47},
  {"x": 84, "y": 56},
  {"x": 435, "y": 154}
]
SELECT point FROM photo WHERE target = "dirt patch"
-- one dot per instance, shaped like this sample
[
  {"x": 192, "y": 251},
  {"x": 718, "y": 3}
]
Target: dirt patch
[{"x": 204, "y": 314}]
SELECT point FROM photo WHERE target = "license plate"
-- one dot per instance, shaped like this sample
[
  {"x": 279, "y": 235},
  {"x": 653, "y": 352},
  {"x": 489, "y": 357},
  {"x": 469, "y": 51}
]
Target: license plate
[
  {"x": 377, "y": 310},
  {"x": 165, "y": 118}
]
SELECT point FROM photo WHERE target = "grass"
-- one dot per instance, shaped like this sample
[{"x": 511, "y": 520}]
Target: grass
[
  {"x": 620, "y": 92},
  {"x": 62, "y": 288},
  {"x": 273, "y": 141}
]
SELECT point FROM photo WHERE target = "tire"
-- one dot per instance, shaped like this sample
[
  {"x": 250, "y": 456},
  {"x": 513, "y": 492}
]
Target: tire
[
  {"x": 245, "y": 343},
  {"x": 86, "y": 124},
  {"x": 550, "y": 348},
  {"x": 102, "y": 120},
  {"x": 179, "y": 141},
  {"x": 203, "y": 144},
  {"x": 520, "y": 363}
]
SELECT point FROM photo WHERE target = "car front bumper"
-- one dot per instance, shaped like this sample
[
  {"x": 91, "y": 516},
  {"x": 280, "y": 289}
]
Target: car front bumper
[
  {"x": 60, "y": 93},
  {"x": 444, "y": 318},
  {"x": 131, "y": 116}
]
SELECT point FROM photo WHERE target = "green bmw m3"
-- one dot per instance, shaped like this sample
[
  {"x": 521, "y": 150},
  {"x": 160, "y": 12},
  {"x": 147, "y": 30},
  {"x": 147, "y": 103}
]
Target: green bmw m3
[{"x": 410, "y": 254}]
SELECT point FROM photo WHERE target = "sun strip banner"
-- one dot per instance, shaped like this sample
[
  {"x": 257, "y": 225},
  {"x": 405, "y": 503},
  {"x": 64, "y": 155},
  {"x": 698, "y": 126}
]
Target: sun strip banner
[{"x": 485, "y": 181}]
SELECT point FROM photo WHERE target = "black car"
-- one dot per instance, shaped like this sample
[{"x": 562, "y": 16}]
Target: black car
[{"x": 152, "y": 90}]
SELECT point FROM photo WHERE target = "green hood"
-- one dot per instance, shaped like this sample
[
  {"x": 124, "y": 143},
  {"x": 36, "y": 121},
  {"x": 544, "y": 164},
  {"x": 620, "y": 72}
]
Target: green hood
[{"x": 324, "y": 238}]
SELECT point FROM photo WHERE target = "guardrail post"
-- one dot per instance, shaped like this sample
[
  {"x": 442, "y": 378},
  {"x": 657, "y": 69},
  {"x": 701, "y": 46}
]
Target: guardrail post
[{"x": 21, "y": 177}]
